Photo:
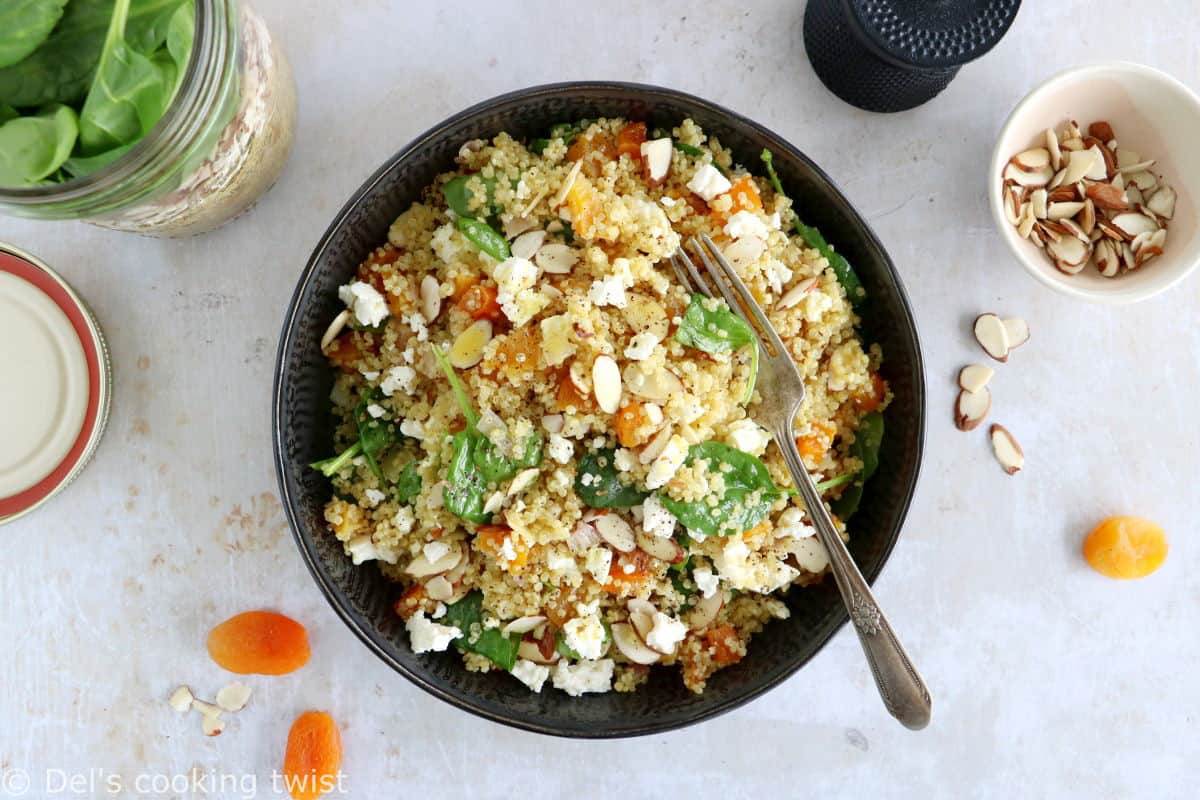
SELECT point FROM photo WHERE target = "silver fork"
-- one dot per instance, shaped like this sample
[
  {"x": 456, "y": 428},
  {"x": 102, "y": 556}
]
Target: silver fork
[{"x": 782, "y": 390}]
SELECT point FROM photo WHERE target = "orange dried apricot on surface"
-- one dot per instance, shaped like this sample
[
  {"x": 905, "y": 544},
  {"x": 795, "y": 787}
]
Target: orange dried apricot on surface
[
  {"x": 722, "y": 641},
  {"x": 1125, "y": 547},
  {"x": 313, "y": 757},
  {"x": 259, "y": 643},
  {"x": 584, "y": 206},
  {"x": 632, "y": 425},
  {"x": 516, "y": 354},
  {"x": 745, "y": 197},
  {"x": 480, "y": 301},
  {"x": 630, "y": 139},
  {"x": 491, "y": 539}
]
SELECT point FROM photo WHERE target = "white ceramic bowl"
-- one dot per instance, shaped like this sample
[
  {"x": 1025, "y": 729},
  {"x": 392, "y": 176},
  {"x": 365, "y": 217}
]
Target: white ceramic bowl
[{"x": 1152, "y": 114}]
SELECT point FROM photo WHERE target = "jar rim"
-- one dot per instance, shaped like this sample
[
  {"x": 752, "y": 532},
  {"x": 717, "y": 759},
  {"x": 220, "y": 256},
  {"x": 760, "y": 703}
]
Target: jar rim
[{"x": 213, "y": 46}]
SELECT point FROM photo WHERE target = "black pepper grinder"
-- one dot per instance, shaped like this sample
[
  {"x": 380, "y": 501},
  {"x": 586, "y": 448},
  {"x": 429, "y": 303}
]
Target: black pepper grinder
[{"x": 893, "y": 55}]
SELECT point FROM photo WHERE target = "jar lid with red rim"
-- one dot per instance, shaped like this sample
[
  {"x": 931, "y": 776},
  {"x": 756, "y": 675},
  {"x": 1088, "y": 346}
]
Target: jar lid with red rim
[{"x": 55, "y": 383}]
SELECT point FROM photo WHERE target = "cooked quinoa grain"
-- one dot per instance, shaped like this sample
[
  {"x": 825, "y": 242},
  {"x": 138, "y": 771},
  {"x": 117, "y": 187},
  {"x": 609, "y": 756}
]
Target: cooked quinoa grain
[{"x": 549, "y": 445}]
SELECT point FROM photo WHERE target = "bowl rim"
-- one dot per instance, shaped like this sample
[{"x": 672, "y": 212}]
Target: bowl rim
[
  {"x": 333, "y": 594},
  {"x": 1060, "y": 283}
]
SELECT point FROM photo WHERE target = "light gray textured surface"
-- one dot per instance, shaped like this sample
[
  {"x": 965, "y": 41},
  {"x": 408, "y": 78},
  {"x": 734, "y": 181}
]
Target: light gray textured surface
[{"x": 1048, "y": 680}]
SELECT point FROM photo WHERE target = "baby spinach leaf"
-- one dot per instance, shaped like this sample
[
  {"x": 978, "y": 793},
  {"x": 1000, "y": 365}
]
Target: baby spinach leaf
[
  {"x": 408, "y": 485},
  {"x": 24, "y": 25},
  {"x": 467, "y": 616},
  {"x": 538, "y": 145},
  {"x": 484, "y": 237},
  {"x": 846, "y": 275},
  {"x": 375, "y": 435},
  {"x": 598, "y": 484},
  {"x": 62, "y": 68},
  {"x": 33, "y": 148},
  {"x": 496, "y": 467},
  {"x": 7, "y": 112},
  {"x": 465, "y": 487},
  {"x": 458, "y": 196},
  {"x": 749, "y": 492},
  {"x": 78, "y": 166},
  {"x": 181, "y": 34},
  {"x": 710, "y": 325},
  {"x": 867, "y": 441},
  {"x": 128, "y": 95}
]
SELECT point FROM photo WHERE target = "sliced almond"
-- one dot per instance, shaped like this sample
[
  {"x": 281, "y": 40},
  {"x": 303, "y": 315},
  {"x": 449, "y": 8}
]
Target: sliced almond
[
  {"x": 992, "y": 336},
  {"x": 206, "y": 709},
  {"x": 662, "y": 548},
  {"x": 606, "y": 383},
  {"x": 515, "y": 226},
  {"x": 974, "y": 377},
  {"x": 1101, "y": 130},
  {"x": 527, "y": 244},
  {"x": 1079, "y": 164},
  {"x": 616, "y": 532},
  {"x": 1112, "y": 231},
  {"x": 439, "y": 588},
  {"x": 1006, "y": 449},
  {"x": 1056, "y": 157},
  {"x": 531, "y": 652},
  {"x": 1133, "y": 223},
  {"x": 795, "y": 294},
  {"x": 568, "y": 181},
  {"x": 631, "y": 645},
  {"x": 1071, "y": 227},
  {"x": 1039, "y": 177},
  {"x": 522, "y": 625},
  {"x": 971, "y": 408},
  {"x": 1027, "y": 221},
  {"x": 1127, "y": 256},
  {"x": 522, "y": 481},
  {"x": 1107, "y": 197},
  {"x": 1134, "y": 195},
  {"x": 234, "y": 696},
  {"x": 705, "y": 612},
  {"x": 656, "y": 385},
  {"x": 1127, "y": 158},
  {"x": 1017, "y": 330},
  {"x": 1098, "y": 170},
  {"x": 467, "y": 350},
  {"x": 1064, "y": 193},
  {"x": 1039, "y": 203},
  {"x": 1144, "y": 181},
  {"x": 641, "y": 616},
  {"x": 556, "y": 258},
  {"x": 1063, "y": 210},
  {"x": 1057, "y": 180},
  {"x": 1033, "y": 159},
  {"x": 1162, "y": 202},
  {"x": 212, "y": 726},
  {"x": 653, "y": 449},
  {"x": 1070, "y": 254},
  {"x": 656, "y": 154},
  {"x": 1107, "y": 259},
  {"x": 422, "y": 567},
  {"x": 1110, "y": 160},
  {"x": 1129, "y": 170},
  {"x": 181, "y": 700},
  {"x": 1087, "y": 217},
  {"x": 1011, "y": 204},
  {"x": 335, "y": 328}
]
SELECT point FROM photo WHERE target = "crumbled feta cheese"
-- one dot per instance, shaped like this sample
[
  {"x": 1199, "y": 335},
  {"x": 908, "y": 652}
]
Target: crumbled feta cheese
[
  {"x": 507, "y": 551},
  {"x": 668, "y": 462},
  {"x": 369, "y": 374},
  {"x": 585, "y": 676},
  {"x": 753, "y": 572},
  {"x": 515, "y": 278},
  {"x": 653, "y": 413},
  {"x": 745, "y": 223},
  {"x": 531, "y": 674},
  {"x": 708, "y": 182},
  {"x": 561, "y": 449},
  {"x": 666, "y": 634},
  {"x": 426, "y": 636},
  {"x": 641, "y": 346},
  {"x": 405, "y": 519},
  {"x": 773, "y": 221},
  {"x": 792, "y": 525},
  {"x": 667, "y": 201},
  {"x": 439, "y": 611},
  {"x": 598, "y": 562},
  {"x": 747, "y": 436},
  {"x": 374, "y": 497},
  {"x": 361, "y": 549},
  {"x": 399, "y": 378},
  {"x": 624, "y": 460},
  {"x": 413, "y": 429},
  {"x": 435, "y": 550},
  {"x": 557, "y": 346},
  {"x": 706, "y": 581},
  {"x": 778, "y": 274},
  {"x": 561, "y": 562},
  {"x": 416, "y": 323},
  {"x": 611, "y": 290},
  {"x": 375, "y": 410},
  {"x": 365, "y": 301},
  {"x": 656, "y": 519},
  {"x": 585, "y": 635}
]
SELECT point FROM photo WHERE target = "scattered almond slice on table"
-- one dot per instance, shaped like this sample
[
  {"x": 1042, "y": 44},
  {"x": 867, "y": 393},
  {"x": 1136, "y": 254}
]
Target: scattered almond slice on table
[
  {"x": 971, "y": 408},
  {"x": 1085, "y": 200},
  {"x": 1006, "y": 449},
  {"x": 974, "y": 377}
]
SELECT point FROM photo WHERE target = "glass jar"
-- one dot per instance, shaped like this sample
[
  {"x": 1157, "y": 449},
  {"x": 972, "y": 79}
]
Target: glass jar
[{"x": 219, "y": 147}]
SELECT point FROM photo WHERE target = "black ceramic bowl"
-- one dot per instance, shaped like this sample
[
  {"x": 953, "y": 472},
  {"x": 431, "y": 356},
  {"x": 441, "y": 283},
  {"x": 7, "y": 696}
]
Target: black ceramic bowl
[{"x": 302, "y": 418}]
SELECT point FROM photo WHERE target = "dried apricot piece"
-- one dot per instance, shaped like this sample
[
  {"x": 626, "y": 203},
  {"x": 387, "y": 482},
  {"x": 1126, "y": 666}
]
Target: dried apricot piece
[
  {"x": 480, "y": 301},
  {"x": 1125, "y": 547},
  {"x": 259, "y": 643},
  {"x": 633, "y": 425},
  {"x": 314, "y": 756},
  {"x": 744, "y": 196},
  {"x": 630, "y": 139}
]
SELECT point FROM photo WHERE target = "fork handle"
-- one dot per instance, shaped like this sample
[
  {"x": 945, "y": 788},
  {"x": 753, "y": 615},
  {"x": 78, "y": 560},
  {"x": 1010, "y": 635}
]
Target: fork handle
[{"x": 903, "y": 692}]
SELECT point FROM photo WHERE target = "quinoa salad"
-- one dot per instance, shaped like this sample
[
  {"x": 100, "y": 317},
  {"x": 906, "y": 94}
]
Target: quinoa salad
[{"x": 548, "y": 443}]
